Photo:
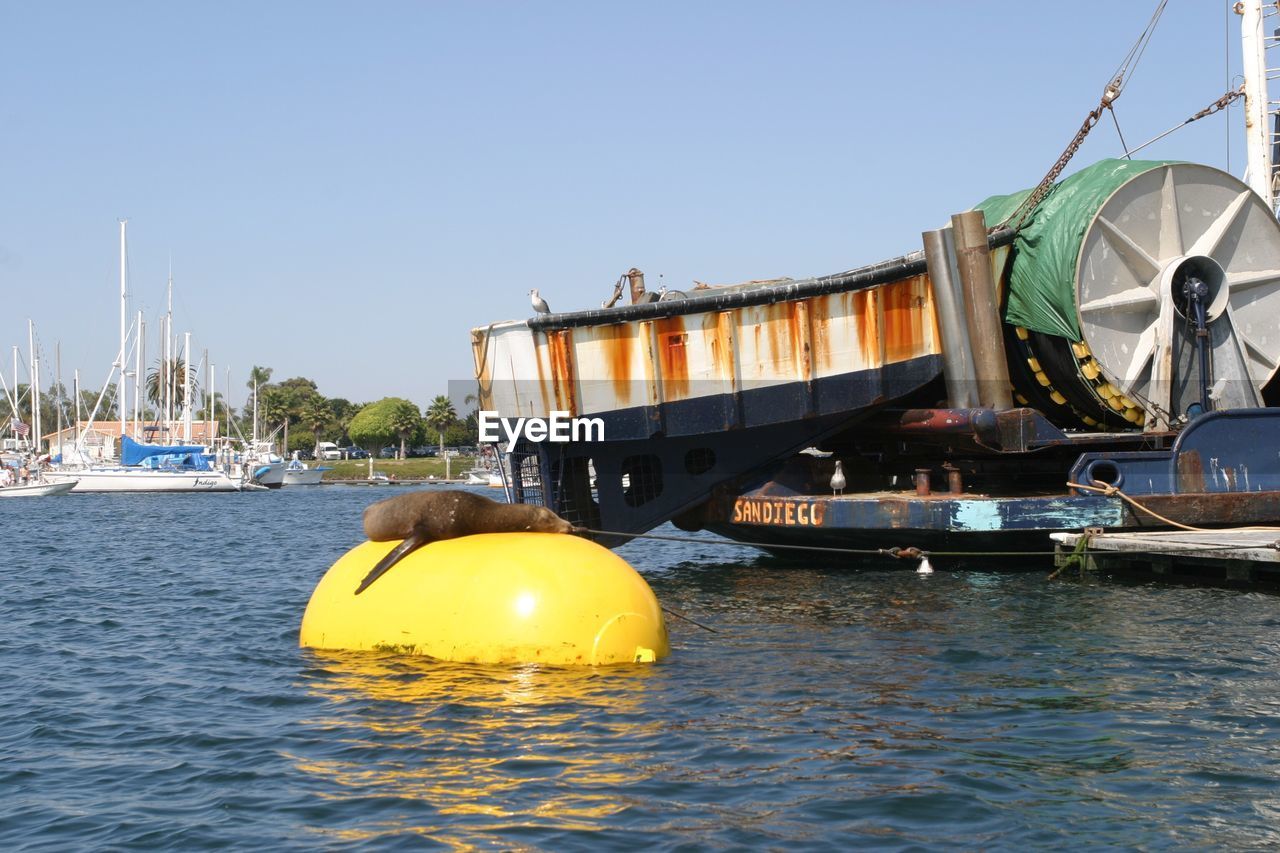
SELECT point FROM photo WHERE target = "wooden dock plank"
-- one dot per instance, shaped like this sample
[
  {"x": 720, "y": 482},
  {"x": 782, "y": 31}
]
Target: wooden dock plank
[{"x": 1229, "y": 555}]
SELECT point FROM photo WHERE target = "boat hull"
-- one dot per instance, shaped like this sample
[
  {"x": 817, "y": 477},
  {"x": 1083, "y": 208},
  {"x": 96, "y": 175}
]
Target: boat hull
[
  {"x": 145, "y": 480},
  {"x": 36, "y": 490},
  {"x": 307, "y": 477}
]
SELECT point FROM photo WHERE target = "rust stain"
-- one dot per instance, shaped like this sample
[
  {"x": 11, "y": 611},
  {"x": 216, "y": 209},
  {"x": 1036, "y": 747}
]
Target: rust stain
[
  {"x": 720, "y": 337},
  {"x": 903, "y": 319},
  {"x": 542, "y": 379},
  {"x": 820, "y": 320},
  {"x": 484, "y": 372},
  {"x": 865, "y": 315},
  {"x": 673, "y": 354},
  {"x": 617, "y": 341},
  {"x": 803, "y": 338},
  {"x": 559, "y": 346},
  {"x": 1190, "y": 471}
]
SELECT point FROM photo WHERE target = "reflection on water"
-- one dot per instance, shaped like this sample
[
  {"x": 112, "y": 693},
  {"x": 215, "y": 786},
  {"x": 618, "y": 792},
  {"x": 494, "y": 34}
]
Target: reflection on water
[
  {"x": 155, "y": 696},
  {"x": 470, "y": 739}
]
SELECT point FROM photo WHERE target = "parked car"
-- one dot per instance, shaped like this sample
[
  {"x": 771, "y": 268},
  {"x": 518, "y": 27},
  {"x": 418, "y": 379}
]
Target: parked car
[
  {"x": 328, "y": 450},
  {"x": 355, "y": 453},
  {"x": 388, "y": 452}
]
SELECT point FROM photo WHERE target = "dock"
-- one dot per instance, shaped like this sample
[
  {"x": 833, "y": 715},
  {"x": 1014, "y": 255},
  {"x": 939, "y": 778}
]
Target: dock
[{"x": 1245, "y": 555}]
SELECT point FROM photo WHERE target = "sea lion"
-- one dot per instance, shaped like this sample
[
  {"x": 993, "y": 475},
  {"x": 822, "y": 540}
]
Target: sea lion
[{"x": 422, "y": 517}]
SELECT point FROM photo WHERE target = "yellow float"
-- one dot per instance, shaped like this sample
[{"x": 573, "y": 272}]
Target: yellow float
[{"x": 492, "y": 598}]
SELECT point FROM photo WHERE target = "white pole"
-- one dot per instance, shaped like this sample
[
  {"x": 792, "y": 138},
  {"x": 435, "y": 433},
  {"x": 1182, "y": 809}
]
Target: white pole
[
  {"x": 77, "y": 393},
  {"x": 186, "y": 388},
  {"x": 208, "y": 399},
  {"x": 210, "y": 410},
  {"x": 57, "y": 369},
  {"x": 34, "y": 390},
  {"x": 124, "y": 301},
  {"x": 255, "y": 412},
  {"x": 168, "y": 362},
  {"x": 1256, "y": 133},
  {"x": 138, "y": 365}
]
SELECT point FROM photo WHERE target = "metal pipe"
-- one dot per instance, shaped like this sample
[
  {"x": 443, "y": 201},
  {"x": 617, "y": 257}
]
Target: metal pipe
[
  {"x": 955, "y": 480},
  {"x": 957, "y": 350},
  {"x": 636, "y": 280},
  {"x": 982, "y": 311}
]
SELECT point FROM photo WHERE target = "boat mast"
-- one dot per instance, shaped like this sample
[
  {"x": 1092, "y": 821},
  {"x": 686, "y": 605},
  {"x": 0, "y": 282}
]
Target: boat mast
[
  {"x": 76, "y": 382},
  {"x": 139, "y": 363},
  {"x": 124, "y": 300},
  {"x": 211, "y": 400},
  {"x": 168, "y": 361},
  {"x": 57, "y": 369},
  {"x": 186, "y": 388},
  {"x": 1257, "y": 134},
  {"x": 34, "y": 390}
]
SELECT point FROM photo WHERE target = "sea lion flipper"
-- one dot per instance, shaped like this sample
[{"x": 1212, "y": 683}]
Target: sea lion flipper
[{"x": 411, "y": 542}]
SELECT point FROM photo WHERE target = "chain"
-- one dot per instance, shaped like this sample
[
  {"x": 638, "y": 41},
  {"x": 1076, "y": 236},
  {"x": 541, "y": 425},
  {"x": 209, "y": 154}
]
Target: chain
[{"x": 1019, "y": 217}]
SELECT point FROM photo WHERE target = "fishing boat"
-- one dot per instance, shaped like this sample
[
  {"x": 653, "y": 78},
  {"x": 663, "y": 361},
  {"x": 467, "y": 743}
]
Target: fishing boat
[
  {"x": 1095, "y": 351},
  {"x": 297, "y": 473}
]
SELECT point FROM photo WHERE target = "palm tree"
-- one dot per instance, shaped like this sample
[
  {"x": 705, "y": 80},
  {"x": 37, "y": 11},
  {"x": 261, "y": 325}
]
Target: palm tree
[
  {"x": 173, "y": 374},
  {"x": 316, "y": 416},
  {"x": 440, "y": 414},
  {"x": 258, "y": 377}
]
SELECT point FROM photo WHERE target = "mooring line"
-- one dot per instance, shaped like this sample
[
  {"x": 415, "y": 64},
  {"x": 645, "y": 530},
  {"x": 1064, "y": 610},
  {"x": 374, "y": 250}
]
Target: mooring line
[
  {"x": 679, "y": 615},
  {"x": 900, "y": 553}
]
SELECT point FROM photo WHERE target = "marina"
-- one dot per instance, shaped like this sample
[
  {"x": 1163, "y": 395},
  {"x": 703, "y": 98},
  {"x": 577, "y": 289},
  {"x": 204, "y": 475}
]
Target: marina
[
  {"x": 880, "y": 708},
  {"x": 911, "y": 489}
]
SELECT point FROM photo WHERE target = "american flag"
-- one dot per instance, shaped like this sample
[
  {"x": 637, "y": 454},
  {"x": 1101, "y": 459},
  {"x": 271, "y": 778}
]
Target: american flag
[{"x": 19, "y": 428}]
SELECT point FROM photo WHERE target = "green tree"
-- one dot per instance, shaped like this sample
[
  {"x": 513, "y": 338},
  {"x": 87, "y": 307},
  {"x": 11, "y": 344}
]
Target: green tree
[
  {"x": 374, "y": 426},
  {"x": 316, "y": 415},
  {"x": 406, "y": 419},
  {"x": 174, "y": 374},
  {"x": 440, "y": 414}
]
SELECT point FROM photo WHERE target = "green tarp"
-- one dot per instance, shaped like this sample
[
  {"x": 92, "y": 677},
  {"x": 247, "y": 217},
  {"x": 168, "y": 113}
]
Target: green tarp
[{"x": 1042, "y": 290}]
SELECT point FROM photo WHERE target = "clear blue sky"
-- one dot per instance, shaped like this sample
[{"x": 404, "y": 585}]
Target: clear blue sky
[{"x": 346, "y": 189}]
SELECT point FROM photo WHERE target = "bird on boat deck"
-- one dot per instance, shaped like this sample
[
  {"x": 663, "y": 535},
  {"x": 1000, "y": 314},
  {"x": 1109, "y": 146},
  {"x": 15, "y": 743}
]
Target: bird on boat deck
[
  {"x": 539, "y": 304},
  {"x": 837, "y": 480}
]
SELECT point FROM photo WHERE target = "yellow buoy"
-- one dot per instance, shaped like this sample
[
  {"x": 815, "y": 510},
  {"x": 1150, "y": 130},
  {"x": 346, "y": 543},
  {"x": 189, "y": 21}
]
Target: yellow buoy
[{"x": 492, "y": 598}]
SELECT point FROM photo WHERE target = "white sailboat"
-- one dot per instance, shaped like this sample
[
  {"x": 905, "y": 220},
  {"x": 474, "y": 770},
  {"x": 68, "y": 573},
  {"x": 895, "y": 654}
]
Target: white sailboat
[{"x": 146, "y": 467}]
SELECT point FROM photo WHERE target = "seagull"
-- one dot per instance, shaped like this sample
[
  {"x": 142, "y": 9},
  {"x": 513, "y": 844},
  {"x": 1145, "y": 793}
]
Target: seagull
[
  {"x": 539, "y": 304},
  {"x": 837, "y": 480}
]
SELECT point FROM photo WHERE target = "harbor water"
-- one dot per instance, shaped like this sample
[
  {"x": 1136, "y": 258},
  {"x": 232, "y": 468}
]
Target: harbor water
[{"x": 154, "y": 696}]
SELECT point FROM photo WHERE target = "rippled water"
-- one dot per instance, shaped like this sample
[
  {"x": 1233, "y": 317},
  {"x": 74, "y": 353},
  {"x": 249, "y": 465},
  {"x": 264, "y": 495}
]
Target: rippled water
[{"x": 153, "y": 695}]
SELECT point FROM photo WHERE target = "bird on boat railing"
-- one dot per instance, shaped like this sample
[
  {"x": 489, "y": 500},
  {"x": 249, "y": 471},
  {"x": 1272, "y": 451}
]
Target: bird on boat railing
[
  {"x": 539, "y": 304},
  {"x": 837, "y": 480}
]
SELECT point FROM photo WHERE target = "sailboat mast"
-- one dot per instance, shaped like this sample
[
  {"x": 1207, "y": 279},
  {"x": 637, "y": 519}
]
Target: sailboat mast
[
  {"x": 57, "y": 370},
  {"x": 76, "y": 391},
  {"x": 34, "y": 390},
  {"x": 168, "y": 360},
  {"x": 138, "y": 363},
  {"x": 210, "y": 406},
  {"x": 186, "y": 388},
  {"x": 124, "y": 301}
]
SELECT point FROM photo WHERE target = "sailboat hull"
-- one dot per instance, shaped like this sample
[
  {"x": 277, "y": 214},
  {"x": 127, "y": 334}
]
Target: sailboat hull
[{"x": 144, "y": 480}]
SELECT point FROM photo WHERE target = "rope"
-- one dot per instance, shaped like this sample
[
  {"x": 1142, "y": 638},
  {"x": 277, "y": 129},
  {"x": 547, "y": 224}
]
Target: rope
[{"x": 900, "y": 553}]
